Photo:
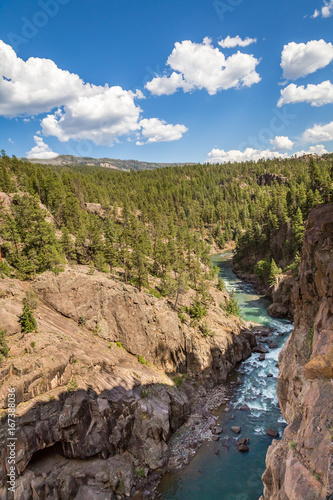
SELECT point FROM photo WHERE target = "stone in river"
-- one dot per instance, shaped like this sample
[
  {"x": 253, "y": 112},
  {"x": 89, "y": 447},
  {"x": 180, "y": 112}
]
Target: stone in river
[
  {"x": 269, "y": 375},
  {"x": 242, "y": 447},
  {"x": 260, "y": 348},
  {"x": 236, "y": 429},
  {"x": 273, "y": 345},
  {"x": 244, "y": 408},
  {"x": 272, "y": 433},
  {"x": 262, "y": 357},
  {"x": 232, "y": 417},
  {"x": 218, "y": 429},
  {"x": 243, "y": 440}
]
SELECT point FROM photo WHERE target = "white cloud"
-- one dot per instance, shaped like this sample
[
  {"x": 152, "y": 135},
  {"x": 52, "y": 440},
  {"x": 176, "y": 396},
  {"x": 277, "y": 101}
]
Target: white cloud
[
  {"x": 319, "y": 133},
  {"x": 319, "y": 150},
  {"x": 41, "y": 151},
  {"x": 101, "y": 118},
  {"x": 316, "y": 95},
  {"x": 155, "y": 130},
  {"x": 282, "y": 142},
  {"x": 36, "y": 85},
  {"x": 325, "y": 11},
  {"x": 233, "y": 155},
  {"x": 236, "y": 156},
  {"x": 11, "y": 140},
  {"x": 167, "y": 85},
  {"x": 202, "y": 66},
  {"x": 84, "y": 111},
  {"x": 301, "y": 59},
  {"x": 231, "y": 42}
]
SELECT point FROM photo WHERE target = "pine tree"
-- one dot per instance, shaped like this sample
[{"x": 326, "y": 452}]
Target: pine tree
[
  {"x": 274, "y": 271},
  {"x": 26, "y": 319}
]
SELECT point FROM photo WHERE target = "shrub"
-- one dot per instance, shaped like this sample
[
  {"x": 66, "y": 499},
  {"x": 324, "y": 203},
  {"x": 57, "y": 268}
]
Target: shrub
[
  {"x": 292, "y": 445},
  {"x": 4, "y": 349},
  {"x": 72, "y": 386},
  {"x": 81, "y": 321},
  {"x": 221, "y": 285},
  {"x": 140, "y": 472},
  {"x": 197, "y": 310},
  {"x": 205, "y": 330},
  {"x": 179, "y": 379},
  {"x": 142, "y": 360},
  {"x": 27, "y": 320},
  {"x": 232, "y": 306}
]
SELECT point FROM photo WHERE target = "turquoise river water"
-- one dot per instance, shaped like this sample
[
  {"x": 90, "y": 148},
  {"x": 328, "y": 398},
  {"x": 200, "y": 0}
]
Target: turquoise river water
[{"x": 231, "y": 475}]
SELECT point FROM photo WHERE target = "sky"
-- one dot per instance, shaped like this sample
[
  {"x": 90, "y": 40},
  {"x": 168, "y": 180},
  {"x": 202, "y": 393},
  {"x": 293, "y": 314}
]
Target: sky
[{"x": 175, "y": 81}]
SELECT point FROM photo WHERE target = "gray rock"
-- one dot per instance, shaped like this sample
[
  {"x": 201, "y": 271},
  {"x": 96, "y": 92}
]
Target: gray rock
[{"x": 236, "y": 429}]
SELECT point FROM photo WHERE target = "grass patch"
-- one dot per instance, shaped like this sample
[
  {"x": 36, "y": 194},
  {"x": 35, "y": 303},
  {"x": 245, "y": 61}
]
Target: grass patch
[{"x": 142, "y": 360}]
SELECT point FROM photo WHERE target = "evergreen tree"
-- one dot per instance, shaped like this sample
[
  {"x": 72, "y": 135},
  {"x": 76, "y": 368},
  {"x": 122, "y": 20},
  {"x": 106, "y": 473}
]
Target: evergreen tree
[{"x": 26, "y": 319}]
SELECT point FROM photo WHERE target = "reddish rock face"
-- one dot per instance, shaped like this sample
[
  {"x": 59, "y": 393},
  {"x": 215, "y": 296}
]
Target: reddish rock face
[{"x": 300, "y": 465}]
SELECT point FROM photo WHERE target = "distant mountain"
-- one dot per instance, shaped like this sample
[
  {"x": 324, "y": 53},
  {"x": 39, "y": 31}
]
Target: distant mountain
[{"x": 102, "y": 162}]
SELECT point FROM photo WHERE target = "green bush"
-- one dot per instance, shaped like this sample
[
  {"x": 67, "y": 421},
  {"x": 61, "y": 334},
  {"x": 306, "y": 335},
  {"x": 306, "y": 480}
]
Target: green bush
[
  {"x": 4, "y": 349},
  {"x": 140, "y": 472},
  {"x": 232, "y": 306},
  {"x": 221, "y": 285},
  {"x": 27, "y": 320},
  {"x": 179, "y": 379},
  {"x": 205, "y": 330},
  {"x": 292, "y": 445},
  {"x": 142, "y": 360},
  {"x": 197, "y": 310}
]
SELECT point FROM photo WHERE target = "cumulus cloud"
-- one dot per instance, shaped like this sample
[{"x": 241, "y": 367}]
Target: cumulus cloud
[
  {"x": 319, "y": 133},
  {"x": 301, "y": 59},
  {"x": 231, "y": 42},
  {"x": 155, "y": 130},
  {"x": 101, "y": 118},
  {"x": 98, "y": 113},
  {"x": 282, "y": 142},
  {"x": 41, "y": 151},
  {"x": 234, "y": 155},
  {"x": 319, "y": 150},
  {"x": 316, "y": 95},
  {"x": 202, "y": 66},
  {"x": 325, "y": 11},
  {"x": 35, "y": 86}
]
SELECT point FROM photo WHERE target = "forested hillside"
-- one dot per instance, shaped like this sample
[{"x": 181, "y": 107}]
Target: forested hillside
[{"x": 159, "y": 222}]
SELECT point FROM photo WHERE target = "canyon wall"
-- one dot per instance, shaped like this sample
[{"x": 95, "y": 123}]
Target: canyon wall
[
  {"x": 300, "y": 466},
  {"x": 101, "y": 386}
]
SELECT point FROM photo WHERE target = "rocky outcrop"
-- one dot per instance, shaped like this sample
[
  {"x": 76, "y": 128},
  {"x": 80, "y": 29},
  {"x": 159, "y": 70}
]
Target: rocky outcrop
[
  {"x": 268, "y": 179},
  {"x": 95, "y": 395},
  {"x": 300, "y": 465}
]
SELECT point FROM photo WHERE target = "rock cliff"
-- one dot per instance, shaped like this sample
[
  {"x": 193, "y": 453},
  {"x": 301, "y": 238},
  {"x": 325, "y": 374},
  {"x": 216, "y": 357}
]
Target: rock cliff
[
  {"x": 96, "y": 401},
  {"x": 300, "y": 466}
]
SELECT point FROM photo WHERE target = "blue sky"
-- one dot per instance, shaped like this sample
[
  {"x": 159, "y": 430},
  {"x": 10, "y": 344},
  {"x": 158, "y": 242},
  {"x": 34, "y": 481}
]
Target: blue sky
[{"x": 98, "y": 83}]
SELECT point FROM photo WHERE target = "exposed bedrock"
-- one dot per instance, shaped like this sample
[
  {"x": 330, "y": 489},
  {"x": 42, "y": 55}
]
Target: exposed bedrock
[
  {"x": 300, "y": 465},
  {"x": 94, "y": 387}
]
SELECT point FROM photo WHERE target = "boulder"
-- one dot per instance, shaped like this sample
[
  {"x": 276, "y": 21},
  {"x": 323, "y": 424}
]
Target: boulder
[
  {"x": 236, "y": 429},
  {"x": 262, "y": 357},
  {"x": 272, "y": 433},
  {"x": 245, "y": 407},
  {"x": 277, "y": 310}
]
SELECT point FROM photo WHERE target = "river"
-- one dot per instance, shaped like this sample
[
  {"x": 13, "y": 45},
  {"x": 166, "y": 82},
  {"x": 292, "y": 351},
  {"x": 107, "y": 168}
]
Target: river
[{"x": 219, "y": 471}]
